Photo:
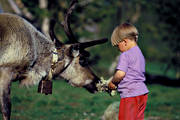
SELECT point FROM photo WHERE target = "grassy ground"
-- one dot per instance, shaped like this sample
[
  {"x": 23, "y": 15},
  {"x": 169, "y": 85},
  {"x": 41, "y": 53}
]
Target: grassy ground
[
  {"x": 69, "y": 103},
  {"x": 66, "y": 103},
  {"x": 163, "y": 102},
  {"x": 155, "y": 68}
]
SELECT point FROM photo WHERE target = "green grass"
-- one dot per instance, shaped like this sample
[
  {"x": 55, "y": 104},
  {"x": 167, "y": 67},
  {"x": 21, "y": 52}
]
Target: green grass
[
  {"x": 66, "y": 103},
  {"x": 155, "y": 68},
  {"x": 163, "y": 102},
  {"x": 69, "y": 103}
]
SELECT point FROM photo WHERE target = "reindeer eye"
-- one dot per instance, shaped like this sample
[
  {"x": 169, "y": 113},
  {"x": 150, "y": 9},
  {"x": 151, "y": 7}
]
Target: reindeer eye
[
  {"x": 74, "y": 50},
  {"x": 83, "y": 61},
  {"x": 85, "y": 53}
]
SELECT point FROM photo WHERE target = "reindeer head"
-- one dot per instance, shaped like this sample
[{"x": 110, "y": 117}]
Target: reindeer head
[{"x": 72, "y": 62}]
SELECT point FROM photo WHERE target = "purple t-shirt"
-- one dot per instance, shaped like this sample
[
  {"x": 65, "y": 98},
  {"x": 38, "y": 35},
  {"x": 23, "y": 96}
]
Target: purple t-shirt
[{"x": 132, "y": 62}]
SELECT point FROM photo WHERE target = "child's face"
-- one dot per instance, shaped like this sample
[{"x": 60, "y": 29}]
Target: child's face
[
  {"x": 122, "y": 46},
  {"x": 126, "y": 44}
]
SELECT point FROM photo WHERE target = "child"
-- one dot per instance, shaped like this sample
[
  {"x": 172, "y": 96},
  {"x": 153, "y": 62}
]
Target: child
[{"x": 129, "y": 75}]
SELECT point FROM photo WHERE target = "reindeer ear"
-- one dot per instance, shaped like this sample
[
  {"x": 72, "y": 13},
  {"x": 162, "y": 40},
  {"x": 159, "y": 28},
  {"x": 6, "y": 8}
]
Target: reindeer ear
[{"x": 74, "y": 50}]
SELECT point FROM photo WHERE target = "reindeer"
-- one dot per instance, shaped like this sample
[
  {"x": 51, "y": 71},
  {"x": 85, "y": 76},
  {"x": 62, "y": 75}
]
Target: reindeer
[{"x": 28, "y": 56}]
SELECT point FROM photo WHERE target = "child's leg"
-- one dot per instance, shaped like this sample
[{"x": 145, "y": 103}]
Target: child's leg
[
  {"x": 132, "y": 108},
  {"x": 142, "y": 100},
  {"x": 128, "y": 109}
]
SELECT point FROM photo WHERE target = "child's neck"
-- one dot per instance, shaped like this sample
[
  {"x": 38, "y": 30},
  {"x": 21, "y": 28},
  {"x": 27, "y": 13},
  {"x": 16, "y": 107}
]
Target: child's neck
[{"x": 131, "y": 45}]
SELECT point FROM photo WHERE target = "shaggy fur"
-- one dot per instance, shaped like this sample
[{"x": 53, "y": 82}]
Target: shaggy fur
[
  {"x": 27, "y": 55},
  {"x": 24, "y": 48}
]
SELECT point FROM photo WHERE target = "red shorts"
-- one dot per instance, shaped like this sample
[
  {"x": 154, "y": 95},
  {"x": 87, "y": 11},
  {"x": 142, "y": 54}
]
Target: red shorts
[{"x": 132, "y": 108}]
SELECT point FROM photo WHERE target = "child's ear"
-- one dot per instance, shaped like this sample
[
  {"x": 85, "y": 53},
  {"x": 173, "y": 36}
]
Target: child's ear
[{"x": 126, "y": 41}]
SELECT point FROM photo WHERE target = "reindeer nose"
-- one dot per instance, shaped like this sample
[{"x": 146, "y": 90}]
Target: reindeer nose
[
  {"x": 96, "y": 79},
  {"x": 91, "y": 88}
]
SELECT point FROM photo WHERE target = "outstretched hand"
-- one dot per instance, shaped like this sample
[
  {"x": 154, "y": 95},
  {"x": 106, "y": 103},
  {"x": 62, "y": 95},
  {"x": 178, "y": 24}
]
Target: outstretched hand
[
  {"x": 103, "y": 86},
  {"x": 112, "y": 86}
]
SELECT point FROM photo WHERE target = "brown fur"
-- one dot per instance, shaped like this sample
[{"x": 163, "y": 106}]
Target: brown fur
[
  {"x": 22, "y": 47},
  {"x": 27, "y": 55}
]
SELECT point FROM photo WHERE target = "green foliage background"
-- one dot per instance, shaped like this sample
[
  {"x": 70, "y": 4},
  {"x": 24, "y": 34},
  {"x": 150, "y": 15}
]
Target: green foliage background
[{"x": 156, "y": 20}]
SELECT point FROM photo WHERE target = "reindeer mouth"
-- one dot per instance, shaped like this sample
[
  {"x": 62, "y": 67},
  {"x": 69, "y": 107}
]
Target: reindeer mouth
[{"x": 92, "y": 87}]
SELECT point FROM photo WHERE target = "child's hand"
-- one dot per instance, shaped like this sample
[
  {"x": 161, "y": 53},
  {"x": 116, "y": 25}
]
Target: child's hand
[{"x": 111, "y": 86}]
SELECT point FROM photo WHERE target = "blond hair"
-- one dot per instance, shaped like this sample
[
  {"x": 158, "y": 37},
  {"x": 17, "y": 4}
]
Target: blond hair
[{"x": 125, "y": 30}]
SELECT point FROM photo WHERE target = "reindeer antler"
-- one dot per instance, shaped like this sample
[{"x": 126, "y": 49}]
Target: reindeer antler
[
  {"x": 66, "y": 22},
  {"x": 52, "y": 34},
  {"x": 69, "y": 33},
  {"x": 92, "y": 43}
]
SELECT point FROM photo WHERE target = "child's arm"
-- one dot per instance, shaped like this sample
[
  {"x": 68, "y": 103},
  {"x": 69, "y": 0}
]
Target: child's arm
[{"x": 118, "y": 76}]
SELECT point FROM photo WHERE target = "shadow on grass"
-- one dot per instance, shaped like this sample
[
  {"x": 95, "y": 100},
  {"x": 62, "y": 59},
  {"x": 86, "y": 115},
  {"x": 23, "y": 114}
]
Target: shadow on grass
[{"x": 162, "y": 80}]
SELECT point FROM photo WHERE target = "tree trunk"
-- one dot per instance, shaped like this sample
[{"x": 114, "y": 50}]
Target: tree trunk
[
  {"x": 6, "y": 7},
  {"x": 24, "y": 11},
  {"x": 43, "y": 4},
  {"x": 15, "y": 7},
  {"x": 1, "y": 10},
  {"x": 45, "y": 24},
  {"x": 136, "y": 15}
]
